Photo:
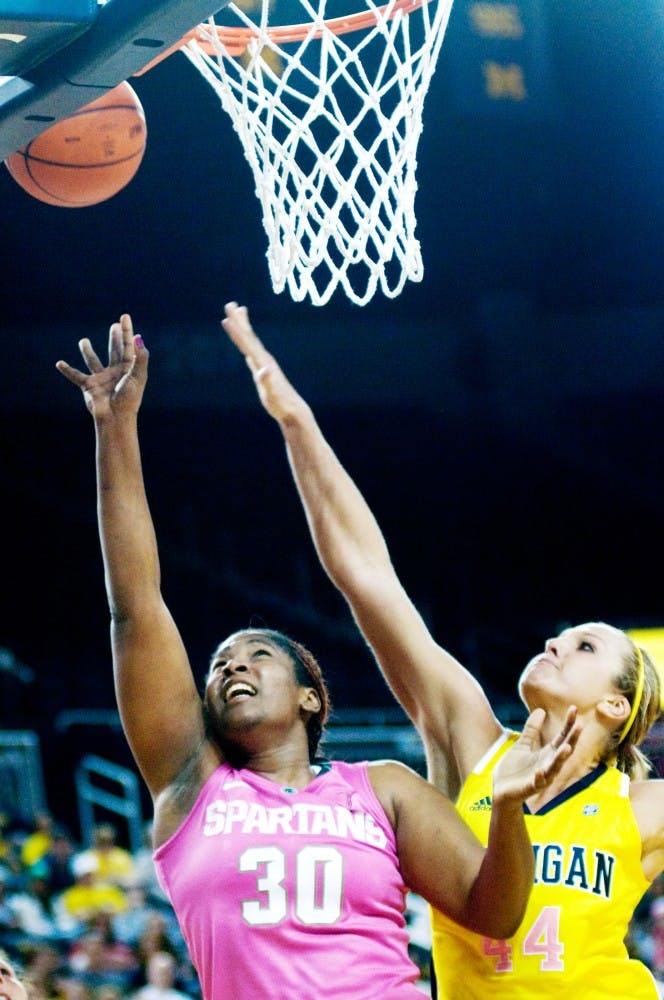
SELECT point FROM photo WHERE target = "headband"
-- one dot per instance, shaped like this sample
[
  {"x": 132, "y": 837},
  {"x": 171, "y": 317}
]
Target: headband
[{"x": 638, "y": 693}]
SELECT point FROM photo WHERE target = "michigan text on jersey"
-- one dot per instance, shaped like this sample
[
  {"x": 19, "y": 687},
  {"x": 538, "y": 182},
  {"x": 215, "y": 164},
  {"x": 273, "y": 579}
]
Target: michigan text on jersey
[{"x": 575, "y": 866}]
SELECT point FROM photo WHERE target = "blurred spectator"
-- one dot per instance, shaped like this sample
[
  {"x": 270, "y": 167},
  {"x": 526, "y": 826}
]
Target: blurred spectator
[
  {"x": 8, "y": 920},
  {"x": 94, "y": 962},
  {"x": 11, "y": 867},
  {"x": 145, "y": 871},
  {"x": 6, "y": 845},
  {"x": 657, "y": 937},
  {"x": 34, "y": 912},
  {"x": 157, "y": 937},
  {"x": 73, "y": 988},
  {"x": 161, "y": 975},
  {"x": 419, "y": 934},
  {"x": 56, "y": 864},
  {"x": 41, "y": 965},
  {"x": 119, "y": 954},
  {"x": 113, "y": 864},
  {"x": 154, "y": 938},
  {"x": 107, "y": 992},
  {"x": 130, "y": 924},
  {"x": 37, "y": 843},
  {"x": 86, "y": 897}
]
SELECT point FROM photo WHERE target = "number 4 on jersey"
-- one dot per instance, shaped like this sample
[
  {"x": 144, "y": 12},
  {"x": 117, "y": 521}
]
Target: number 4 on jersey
[{"x": 542, "y": 939}]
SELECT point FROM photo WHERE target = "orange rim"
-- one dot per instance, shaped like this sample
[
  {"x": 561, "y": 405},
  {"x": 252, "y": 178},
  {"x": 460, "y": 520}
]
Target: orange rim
[{"x": 236, "y": 40}]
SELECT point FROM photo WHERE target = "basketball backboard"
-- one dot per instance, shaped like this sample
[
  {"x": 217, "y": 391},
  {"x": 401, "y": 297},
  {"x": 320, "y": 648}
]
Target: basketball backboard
[
  {"x": 78, "y": 50},
  {"x": 32, "y": 30}
]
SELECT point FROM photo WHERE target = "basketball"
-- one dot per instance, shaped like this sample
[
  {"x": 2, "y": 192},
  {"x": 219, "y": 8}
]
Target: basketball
[{"x": 87, "y": 157}]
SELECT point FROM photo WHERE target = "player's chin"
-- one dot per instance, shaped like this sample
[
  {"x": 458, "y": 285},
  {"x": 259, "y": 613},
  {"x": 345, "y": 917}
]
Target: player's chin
[
  {"x": 235, "y": 717},
  {"x": 533, "y": 690}
]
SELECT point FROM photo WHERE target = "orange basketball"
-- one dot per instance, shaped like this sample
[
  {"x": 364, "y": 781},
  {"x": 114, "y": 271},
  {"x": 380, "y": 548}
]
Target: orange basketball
[{"x": 88, "y": 157}]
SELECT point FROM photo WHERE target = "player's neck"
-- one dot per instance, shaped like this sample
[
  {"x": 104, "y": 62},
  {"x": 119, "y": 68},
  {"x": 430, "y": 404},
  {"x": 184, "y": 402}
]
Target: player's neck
[
  {"x": 281, "y": 765},
  {"x": 584, "y": 760},
  {"x": 291, "y": 778}
]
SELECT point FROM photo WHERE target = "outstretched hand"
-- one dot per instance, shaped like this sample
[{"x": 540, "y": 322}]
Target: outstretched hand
[
  {"x": 276, "y": 393},
  {"x": 530, "y": 765},
  {"x": 118, "y": 386}
]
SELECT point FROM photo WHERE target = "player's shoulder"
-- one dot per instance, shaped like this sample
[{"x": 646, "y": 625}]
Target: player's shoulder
[
  {"x": 647, "y": 799},
  {"x": 648, "y": 791},
  {"x": 391, "y": 770},
  {"x": 393, "y": 781}
]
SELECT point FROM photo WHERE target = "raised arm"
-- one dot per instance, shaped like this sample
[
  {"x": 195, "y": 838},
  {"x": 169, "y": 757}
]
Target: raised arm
[
  {"x": 159, "y": 705},
  {"x": 444, "y": 701},
  {"x": 485, "y": 890}
]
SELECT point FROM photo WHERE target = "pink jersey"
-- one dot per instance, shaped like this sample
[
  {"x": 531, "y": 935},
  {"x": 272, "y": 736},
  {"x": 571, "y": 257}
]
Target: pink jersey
[{"x": 290, "y": 895}]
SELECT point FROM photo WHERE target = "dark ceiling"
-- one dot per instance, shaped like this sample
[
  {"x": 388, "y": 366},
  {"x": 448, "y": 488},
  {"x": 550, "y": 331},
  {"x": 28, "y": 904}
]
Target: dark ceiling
[{"x": 503, "y": 416}]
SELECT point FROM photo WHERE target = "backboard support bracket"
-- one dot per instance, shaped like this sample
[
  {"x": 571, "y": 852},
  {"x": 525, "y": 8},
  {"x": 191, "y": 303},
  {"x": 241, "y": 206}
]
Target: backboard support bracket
[{"x": 124, "y": 37}]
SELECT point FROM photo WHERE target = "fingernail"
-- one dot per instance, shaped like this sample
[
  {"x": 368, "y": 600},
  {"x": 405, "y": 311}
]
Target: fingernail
[{"x": 138, "y": 340}]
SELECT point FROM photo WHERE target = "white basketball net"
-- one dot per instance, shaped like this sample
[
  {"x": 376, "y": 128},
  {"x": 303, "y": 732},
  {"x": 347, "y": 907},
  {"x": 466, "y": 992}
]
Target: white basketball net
[{"x": 330, "y": 126}]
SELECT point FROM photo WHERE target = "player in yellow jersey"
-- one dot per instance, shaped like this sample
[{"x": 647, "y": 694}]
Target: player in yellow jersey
[{"x": 597, "y": 831}]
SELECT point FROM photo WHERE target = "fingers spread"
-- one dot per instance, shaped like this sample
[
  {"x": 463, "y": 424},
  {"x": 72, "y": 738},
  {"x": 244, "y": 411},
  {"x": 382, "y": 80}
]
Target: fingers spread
[
  {"x": 73, "y": 374},
  {"x": 89, "y": 356},
  {"x": 140, "y": 355},
  {"x": 115, "y": 346},
  {"x": 121, "y": 341}
]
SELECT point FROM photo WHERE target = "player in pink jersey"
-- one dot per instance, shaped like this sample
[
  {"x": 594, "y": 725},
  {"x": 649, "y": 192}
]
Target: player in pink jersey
[{"x": 288, "y": 875}]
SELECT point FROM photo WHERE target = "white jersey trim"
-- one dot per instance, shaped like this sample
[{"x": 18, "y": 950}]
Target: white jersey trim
[{"x": 491, "y": 752}]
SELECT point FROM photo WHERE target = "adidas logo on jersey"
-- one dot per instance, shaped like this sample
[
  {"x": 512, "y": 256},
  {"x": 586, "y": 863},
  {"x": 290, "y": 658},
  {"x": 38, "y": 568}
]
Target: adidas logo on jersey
[{"x": 481, "y": 805}]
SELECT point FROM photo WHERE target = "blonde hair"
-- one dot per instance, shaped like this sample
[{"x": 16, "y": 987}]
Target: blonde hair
[
  {"x": 640, "y": 683},
  {"x": 17, "y": 969}
]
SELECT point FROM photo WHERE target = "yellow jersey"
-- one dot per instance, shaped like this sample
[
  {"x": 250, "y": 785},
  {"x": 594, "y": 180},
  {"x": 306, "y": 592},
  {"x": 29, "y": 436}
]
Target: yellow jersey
[{"x": 588, "y": 880}]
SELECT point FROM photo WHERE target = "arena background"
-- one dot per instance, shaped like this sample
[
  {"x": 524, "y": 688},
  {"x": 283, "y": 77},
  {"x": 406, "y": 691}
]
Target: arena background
[{"x": 504, "y": 417}]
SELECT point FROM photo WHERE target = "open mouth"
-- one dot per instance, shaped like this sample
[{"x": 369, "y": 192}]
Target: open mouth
[{"x": 239, "y": 691}]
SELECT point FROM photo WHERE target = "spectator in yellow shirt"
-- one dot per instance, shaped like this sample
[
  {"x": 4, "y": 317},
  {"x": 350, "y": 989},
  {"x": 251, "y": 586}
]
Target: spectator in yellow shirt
[
  {"x": 114, "y": 864},
  {"x": 37, "y": 843},
  {"x": 87, "y": 896}
]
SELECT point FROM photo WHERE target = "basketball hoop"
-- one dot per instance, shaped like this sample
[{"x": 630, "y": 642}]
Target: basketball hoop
[{"x": 329, "y": 113}]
